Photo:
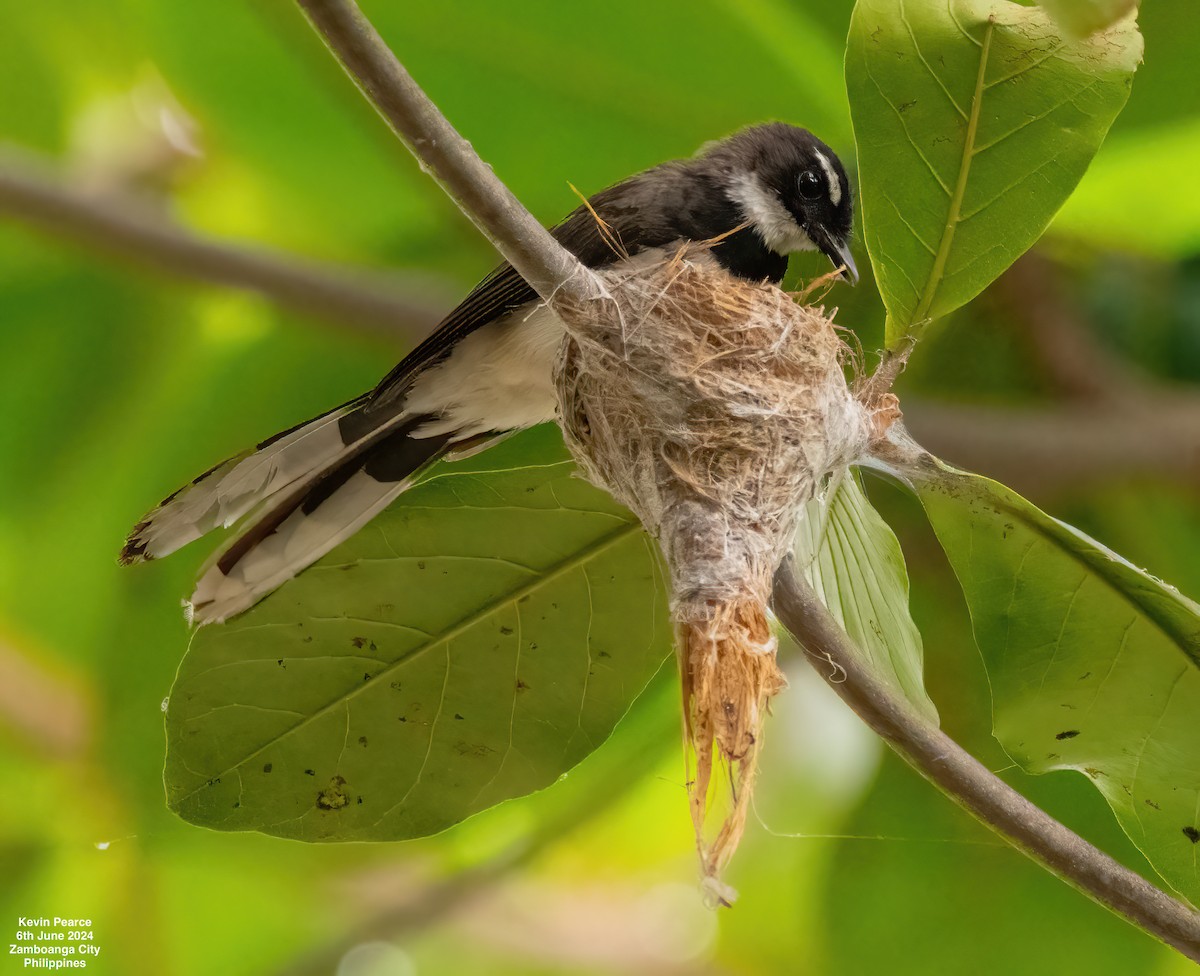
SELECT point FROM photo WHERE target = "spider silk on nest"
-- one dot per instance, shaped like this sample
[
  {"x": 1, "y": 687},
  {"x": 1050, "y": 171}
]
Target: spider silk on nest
[{"x": 714, "y": 408}]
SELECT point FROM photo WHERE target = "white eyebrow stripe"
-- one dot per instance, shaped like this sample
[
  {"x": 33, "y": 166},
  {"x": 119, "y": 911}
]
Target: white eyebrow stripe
[{"x": 835, "y": 184}]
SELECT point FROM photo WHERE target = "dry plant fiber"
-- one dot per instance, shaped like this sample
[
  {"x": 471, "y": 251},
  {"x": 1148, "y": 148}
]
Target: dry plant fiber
[{"x": 714, "y": 408}]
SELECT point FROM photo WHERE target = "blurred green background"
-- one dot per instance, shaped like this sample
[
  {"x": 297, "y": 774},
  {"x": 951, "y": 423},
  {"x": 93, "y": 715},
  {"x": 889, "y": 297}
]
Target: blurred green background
[{"x": 117, "y": 384}]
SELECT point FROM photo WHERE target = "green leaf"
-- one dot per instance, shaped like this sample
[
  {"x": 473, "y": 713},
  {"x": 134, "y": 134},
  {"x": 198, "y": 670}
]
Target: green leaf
[
  {"x": 974, "y": 120},
  {"x": 1092, "y": 662},
  {"x": 853, "y": 560},
  {"x": 473, "y": 643}
]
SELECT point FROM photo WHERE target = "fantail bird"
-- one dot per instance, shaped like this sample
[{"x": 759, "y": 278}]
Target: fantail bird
[{"x": 486, "y": 370}]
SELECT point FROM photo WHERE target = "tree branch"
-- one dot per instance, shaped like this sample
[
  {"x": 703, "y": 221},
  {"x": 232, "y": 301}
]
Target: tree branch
[
  {"x": 129, "y": 228},
  {"x": 447, "y": 156},
  {"x": 963, "y": 779},
  {"x": 1038, "y": 450}
]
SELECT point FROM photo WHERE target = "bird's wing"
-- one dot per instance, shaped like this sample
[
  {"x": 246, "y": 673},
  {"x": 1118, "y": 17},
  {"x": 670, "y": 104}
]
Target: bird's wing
[
  {"x": 499, "y": 293},
  {"x": 611, "y": 225}
]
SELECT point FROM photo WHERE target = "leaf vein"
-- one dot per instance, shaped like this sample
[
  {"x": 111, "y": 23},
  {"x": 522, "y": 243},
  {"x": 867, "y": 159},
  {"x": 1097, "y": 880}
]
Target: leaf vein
[
  {"x": 1069, "y": 100},
  {"x": 928, "y": 67},
  {"x": 960, "y": 187},
  {"x": 912, "y": 230},
  {"x": 908, "y": 135},
  {"x": 1025, "y": 68}
]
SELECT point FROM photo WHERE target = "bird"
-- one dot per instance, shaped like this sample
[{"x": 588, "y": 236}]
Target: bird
[{"x": 487, "y": 369}]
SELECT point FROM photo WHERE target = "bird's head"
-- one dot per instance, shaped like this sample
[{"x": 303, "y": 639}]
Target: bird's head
[{"x": 792, "y": 190}]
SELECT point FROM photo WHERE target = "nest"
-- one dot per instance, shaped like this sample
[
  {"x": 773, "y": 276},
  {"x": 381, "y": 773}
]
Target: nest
[{"x": 714, "y": 408}]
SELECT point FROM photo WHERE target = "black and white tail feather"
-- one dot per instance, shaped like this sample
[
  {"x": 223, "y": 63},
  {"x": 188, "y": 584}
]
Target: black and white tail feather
[
  {"x": 484, "y": 373},
  {"x": 305, "y": 491},
  {"x": 300, "y": 493},
  {"x": 226, "y": 492}
]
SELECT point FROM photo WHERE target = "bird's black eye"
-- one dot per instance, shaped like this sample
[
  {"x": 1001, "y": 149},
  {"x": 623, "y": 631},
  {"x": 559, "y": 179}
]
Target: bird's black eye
[{"x": 810, "y": 184}]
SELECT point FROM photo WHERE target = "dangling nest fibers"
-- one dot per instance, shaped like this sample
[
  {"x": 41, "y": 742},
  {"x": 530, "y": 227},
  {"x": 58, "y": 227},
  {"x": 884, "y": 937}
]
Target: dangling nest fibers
[{"x": 713, "y": 408}]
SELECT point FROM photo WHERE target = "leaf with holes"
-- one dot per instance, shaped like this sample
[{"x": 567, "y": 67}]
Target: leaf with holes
[
  {"x": 470, "y": 645},
  {"x": 1094, "y": 664},
  {"x": 853, "y": 560},
  {"x": 974, "y": 120}
]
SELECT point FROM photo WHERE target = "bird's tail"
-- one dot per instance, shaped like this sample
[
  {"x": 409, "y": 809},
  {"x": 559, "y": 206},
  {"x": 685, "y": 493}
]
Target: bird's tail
[{"x": 313, "y": 486}]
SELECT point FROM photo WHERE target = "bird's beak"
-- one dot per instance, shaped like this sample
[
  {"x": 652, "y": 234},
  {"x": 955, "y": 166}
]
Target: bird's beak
[{"x": 843, "y": 260}]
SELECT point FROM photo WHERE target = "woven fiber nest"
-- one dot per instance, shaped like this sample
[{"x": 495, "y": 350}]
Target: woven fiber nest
[{"x": 714, "y": 408}]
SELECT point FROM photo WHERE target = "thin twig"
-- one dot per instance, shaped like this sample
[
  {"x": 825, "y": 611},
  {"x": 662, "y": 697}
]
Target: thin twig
[
  {"x": 447, "y": 156},
  {"x": 957, "y": 774},
  {"x": 891, "y": 364},
  {"x": 388, "y": 304}
]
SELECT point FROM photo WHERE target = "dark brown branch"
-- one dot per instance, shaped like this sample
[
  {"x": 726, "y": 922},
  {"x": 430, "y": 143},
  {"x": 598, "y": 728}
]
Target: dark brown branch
[
  {"x": 957, "y": 774},
  {"x": 125, "y": 227},
  {"x": 446, "y": 155}
]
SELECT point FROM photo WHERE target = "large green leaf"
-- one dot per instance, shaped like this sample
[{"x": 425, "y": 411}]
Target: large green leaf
[
  {"x": 974, "y": 119},
  {"x": 470, "y": 645},
  {"x": 853, "y": 560},
  {"x": 1093, "y": 663}
]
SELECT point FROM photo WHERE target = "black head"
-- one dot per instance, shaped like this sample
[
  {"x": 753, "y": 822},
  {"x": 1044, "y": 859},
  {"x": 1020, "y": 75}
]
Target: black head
[{"x": 791, "y": 188}]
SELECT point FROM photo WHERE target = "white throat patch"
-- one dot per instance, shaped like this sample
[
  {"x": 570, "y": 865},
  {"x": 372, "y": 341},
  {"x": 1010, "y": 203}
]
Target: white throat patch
[
  {"x": 768, "y": 216},
  {"x": 835, "y": 184}
]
